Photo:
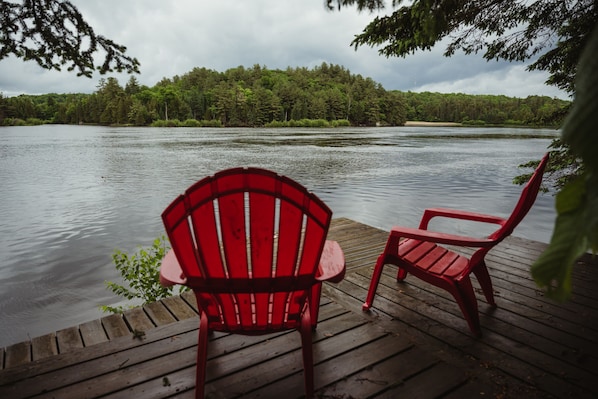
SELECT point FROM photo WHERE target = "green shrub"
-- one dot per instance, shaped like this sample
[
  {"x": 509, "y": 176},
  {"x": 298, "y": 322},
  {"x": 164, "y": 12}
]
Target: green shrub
[
  {"x": 34, "y": 121},
  {"x": 14, "y": 122},
  {"x": 211, "y": 123},
  {"x": 186, "y": 123},
  {"x": 141, "y": 273},
  {"x": 341, "y": 123},
  {"x": 318, "y": 123},
  {"x": 191, "y": 123},
  {"x": 166, "y": 123},
  {"x": 158, "y": 123},
  {"x": 514, "y": 122},
  {"x": 474, "y": 122},
  {"x": 277, "y": 124}
]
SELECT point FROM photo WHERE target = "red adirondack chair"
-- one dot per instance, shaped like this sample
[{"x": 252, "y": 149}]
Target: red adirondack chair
[
  {"x": 252, "y": 246},
  {"x": 418, "y": 251}
]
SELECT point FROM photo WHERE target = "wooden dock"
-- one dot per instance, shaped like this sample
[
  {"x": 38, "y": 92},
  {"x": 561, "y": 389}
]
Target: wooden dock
[{"x": 414, "y": 344}]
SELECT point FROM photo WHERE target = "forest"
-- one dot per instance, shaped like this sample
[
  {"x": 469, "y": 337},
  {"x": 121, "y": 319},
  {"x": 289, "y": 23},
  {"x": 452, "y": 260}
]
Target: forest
[{"x": 327, "y": 95}]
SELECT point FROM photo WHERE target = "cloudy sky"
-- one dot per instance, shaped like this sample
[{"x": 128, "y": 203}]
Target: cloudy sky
[{"x": 172, "y": 37}]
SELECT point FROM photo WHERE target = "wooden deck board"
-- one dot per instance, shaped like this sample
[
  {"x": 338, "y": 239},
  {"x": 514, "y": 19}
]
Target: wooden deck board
[
  {"x": 115, "y": 326},
  {"x": 179, "y": 308},
  {"x": 93, "y": 332},
  {"x": 44, "y": 346},
  {"x": 138, "y": 320},
  {"x": 17, "y": 354},
  {"x": 414, "y": 343},
  {"x": 158, "y": 313},
  {"x": 69, "y": 339}
]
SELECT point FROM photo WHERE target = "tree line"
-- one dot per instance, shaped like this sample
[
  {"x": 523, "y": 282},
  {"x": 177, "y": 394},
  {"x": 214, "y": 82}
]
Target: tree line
[
  {"x": 485, "y": 109},
  {"x": 258, "y": 96}
]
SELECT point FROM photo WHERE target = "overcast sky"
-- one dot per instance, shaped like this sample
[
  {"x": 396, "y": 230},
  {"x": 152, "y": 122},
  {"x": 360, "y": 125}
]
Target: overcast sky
[{"x": 172, "y": 37}]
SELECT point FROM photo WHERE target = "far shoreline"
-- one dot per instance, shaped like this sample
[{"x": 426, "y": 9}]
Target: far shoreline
[{"x": 435, "y": 124}]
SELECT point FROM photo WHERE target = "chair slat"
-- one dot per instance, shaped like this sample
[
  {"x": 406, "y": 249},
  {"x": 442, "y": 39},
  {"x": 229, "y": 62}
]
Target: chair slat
[
  {"x": 444, "y": 262},
  {"x": 263, "y": 234},
  {"x": 179, "y": 232},
  {"x": 205, "y": 231},
  {"x": 279, "y": 308},
  {"x": 435, "y": 260},
  {"x": 289, "y": 239},
  {"x": 245, "y": 310},
  {"x": 315, "y": 236},
  {"x": 263, "y": 309},
  {"x": 420, "y": 250},
  {"x": 231, "y": 209}
]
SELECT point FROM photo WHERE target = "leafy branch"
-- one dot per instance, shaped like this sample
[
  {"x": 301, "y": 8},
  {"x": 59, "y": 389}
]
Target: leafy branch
[
  {"x": 53, "y": 33},
  {"x": 576, "y": 227},
  {"x": 141, "y": 271}
]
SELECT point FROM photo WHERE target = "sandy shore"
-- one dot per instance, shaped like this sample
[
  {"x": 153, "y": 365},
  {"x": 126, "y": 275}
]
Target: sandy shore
[{"x": 437, "y": 124}]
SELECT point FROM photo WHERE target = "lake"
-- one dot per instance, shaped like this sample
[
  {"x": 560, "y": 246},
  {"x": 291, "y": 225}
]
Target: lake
[{"x": 71, "y": 195}]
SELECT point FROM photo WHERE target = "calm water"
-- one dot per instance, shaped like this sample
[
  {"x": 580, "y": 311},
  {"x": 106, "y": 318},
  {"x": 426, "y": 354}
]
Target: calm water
[{"x": 71, "y": 195}]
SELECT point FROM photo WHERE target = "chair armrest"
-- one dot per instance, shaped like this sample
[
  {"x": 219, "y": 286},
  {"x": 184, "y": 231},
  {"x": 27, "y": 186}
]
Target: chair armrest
[
  {"x": 170, "y": 271},
  {"x": 332, "y": 263},
  {"x": 441, "y": 238},
  {"x": 458, "y": 214}
]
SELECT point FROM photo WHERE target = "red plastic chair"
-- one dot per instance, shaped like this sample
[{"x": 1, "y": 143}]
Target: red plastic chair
[
  {"x": 417, "y": 251},
  {"x": 252, "y": 246}
]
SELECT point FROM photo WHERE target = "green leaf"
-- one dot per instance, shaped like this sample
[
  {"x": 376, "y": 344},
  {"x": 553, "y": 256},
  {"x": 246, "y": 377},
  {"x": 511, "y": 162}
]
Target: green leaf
[
  {"x": 592, "y": 213},
  {"x": 552, "y": 270},
  {"x": 571, "y": 197},
  {"x": 576, "y": 230},
  {"x": 580, "y": 126}
]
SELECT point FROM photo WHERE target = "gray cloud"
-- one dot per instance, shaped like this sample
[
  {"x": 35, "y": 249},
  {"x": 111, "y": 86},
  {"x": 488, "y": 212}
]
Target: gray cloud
[{"x": 172, "y": 37}]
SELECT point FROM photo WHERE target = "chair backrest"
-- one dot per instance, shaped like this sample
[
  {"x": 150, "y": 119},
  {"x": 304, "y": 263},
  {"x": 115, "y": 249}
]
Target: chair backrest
[
  {"x": 249, "y": 242},
  {"x": 526, "y": 200}
]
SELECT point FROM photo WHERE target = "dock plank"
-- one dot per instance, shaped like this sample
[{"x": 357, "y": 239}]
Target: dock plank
[
  {"x": 189, "y": 297},
  {"x": 179, "y": 308},
  {"x": 137, "y": 320},
  {"x": 93, "y": 333},
  {"x": 387, "y": 373},
  {"x": 432, "y": 383},
  {"x": 44, "y": 346},
  {"x": 158, "y": 313},
  {"x": 17, "y": 354},
  {"x": 115, "y": 326},
  {"x": 69, "y": 339}
]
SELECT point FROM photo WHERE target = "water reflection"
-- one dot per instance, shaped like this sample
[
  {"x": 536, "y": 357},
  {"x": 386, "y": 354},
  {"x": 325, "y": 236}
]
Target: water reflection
[{"x": 71, "y": 195}]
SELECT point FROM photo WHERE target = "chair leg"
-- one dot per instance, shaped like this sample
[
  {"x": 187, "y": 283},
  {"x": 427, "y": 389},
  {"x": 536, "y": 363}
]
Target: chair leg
[
  {"x": 374, "y": 282},
  {"x": 401, "y": 274},
  {"x": 314, "y": 303},
  {"x": 202, "y": 356},
  {"x": 463, "y": 293},
  {"x": 481, "y": 273},
  {"x": 307, "y": 348}
]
